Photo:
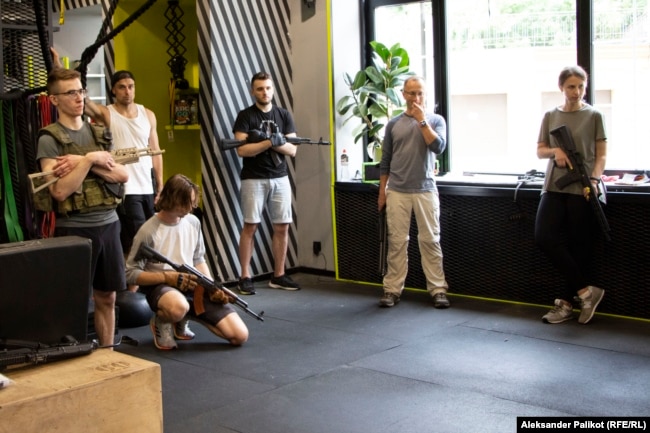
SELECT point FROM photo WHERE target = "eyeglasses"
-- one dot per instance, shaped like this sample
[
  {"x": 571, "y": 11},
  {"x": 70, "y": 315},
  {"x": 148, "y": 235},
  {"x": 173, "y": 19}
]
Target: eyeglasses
[
  {"x": 73, "y": 93},
  {"x": 413, "y": 94}
]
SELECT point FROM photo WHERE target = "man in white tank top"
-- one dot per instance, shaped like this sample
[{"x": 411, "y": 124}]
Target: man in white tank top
[{"x": 132, "y": 125}]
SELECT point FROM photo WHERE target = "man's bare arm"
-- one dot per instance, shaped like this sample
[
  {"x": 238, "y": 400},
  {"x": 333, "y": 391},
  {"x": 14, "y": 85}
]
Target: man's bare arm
[{"x": 154, "y": 144}]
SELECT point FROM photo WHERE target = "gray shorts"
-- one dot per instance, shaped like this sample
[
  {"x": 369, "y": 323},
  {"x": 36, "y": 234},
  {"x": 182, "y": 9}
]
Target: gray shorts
[{"x": 258, "y": 193}]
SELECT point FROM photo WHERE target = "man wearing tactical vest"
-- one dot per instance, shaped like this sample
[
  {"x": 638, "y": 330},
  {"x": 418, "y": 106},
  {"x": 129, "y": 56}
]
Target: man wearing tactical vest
[{"x": 87, "y": 191}]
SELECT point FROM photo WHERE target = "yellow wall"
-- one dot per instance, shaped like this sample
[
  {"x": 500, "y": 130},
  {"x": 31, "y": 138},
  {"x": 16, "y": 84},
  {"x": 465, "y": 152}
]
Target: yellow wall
[{"x": 142, "y": 49}]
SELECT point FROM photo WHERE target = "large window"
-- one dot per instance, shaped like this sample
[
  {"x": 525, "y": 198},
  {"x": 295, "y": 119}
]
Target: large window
[
  {"x": 503, "y": 60},
  {"x": 622, "y": 79}
]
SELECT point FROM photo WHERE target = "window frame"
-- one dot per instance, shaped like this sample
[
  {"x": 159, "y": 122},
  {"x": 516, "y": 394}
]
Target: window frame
[{"x": 584, "y": 50}]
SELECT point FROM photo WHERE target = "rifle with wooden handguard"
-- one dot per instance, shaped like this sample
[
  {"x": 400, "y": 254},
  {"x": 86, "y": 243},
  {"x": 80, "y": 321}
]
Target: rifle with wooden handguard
[
  {"x": 121, "y": 156},
  {"x": 578, "y": 173},
  {"x": 202, "y": 280}
]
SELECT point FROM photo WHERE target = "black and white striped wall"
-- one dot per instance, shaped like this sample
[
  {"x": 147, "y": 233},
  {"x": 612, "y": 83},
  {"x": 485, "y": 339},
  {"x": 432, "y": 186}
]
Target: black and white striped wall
[{"x": 238, "y": 38}]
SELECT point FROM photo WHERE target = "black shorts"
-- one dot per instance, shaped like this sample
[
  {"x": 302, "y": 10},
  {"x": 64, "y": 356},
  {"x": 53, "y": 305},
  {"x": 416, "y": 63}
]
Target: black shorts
[
  {"x": 107, "y": 268},
  {"x": 213, "y": 314}
]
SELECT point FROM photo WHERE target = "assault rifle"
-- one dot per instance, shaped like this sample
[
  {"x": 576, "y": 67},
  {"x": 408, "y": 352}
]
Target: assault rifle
[
  {"x": 578, "y": 173},
  {"x": 30, "y": 353},
  {"x": 383, "y": 241},
  {"x": 208, "y": 284},
  {"x": 231, "y": 143},
  {"x": 121, "y": 156}
]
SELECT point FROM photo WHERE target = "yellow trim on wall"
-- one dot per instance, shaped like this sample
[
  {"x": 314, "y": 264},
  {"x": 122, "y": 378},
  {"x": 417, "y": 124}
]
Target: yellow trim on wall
[{"x": 332, "y": 114}]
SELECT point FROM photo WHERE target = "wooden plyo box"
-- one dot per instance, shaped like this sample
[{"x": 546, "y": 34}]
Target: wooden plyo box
[{"x": 103, "y": 392}]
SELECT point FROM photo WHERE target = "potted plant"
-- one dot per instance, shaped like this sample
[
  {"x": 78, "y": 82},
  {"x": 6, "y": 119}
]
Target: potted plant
[{"x": 375, "y": 94}]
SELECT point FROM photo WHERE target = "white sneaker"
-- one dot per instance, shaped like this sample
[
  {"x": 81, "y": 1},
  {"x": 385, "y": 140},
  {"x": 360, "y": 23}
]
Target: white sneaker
[
  {"x": 558, "y": 314},
  {"x": 163, "y": 334},
  {"x": 182, "y": 330},
  {"x": 589, "y": 304}
]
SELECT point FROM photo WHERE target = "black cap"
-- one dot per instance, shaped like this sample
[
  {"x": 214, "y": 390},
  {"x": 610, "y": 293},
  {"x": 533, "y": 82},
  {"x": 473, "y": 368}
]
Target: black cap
[{"x": 120, "y": 75}]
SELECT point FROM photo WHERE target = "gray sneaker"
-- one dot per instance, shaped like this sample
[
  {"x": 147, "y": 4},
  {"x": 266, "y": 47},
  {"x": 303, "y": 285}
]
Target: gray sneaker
[
  {"x": 440, "y": 300},
  {"x": 388, "y": 300},
  {"x": 558, "y": 314},
  {"x": 163, "y": 334},
  {"x": 588, "y": 305},
  {"x": 182, "y": 330}
]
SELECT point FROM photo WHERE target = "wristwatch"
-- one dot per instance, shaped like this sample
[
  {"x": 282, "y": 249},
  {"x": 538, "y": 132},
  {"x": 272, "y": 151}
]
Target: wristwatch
[{"x": 423, "y": 123}]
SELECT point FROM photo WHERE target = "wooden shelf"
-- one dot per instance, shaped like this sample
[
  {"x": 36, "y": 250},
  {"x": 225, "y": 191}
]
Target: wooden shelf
[{"x": 182, "y": 127}]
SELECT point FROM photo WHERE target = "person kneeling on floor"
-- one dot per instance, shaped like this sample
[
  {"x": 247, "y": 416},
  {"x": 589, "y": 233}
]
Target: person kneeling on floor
[{"x": 175, "y": 297}]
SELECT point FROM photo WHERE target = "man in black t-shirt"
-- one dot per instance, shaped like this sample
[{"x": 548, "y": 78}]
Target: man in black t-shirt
[{"x": 264, "y": 179}]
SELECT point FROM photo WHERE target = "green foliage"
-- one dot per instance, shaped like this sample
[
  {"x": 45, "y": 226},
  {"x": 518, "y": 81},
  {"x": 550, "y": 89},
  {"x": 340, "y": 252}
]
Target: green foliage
[
  {"x": 535, "y": 23},
  {"x": 375, "y": 92}
]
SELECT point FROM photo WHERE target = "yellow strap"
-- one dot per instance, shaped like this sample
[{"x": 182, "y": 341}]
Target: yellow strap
[{"x": 62, "y": 13}]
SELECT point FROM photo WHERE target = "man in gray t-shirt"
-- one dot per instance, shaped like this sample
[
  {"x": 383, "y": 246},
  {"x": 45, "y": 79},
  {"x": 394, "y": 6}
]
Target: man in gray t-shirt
[
  {"x": 81, "y": 167},
  {"x": 407, "y": 184}
]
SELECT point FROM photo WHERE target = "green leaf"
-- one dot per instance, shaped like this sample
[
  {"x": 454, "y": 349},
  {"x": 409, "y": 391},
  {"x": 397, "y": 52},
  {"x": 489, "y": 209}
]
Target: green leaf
[
  {"x": 362, "y": 110},
  {"x": 403, "y": 56},
  {"x": 359, "y": 80},
  {"x": 395, "y": 47},
  {"x": 381, "y": 50},
  {"x": 375, "y": 130},
  {"x": 402, "y": 71},
  {"x": 343, "y": 102},
  {"x": 374, "y": 74},
  {"x": 394, "y": 97},
  {"x": 395, "y": 62},
  {"x": 347, "y": 79},
  {"x": 378, "y": 111},
  {"x": 342, "y": 107}
]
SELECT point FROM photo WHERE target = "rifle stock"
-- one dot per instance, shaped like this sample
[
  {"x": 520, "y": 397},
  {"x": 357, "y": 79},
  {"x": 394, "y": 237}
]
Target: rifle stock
[
  {"x": 207, "y": 283},
  {"x": 578, "y": 173}
]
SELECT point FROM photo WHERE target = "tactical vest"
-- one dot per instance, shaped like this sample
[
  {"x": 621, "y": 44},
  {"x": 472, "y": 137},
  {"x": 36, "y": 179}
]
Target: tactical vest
[{"x": 95, "y": 194}]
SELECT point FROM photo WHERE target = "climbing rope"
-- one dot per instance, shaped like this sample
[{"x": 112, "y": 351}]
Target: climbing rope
[{"x": 89, "y": 53}]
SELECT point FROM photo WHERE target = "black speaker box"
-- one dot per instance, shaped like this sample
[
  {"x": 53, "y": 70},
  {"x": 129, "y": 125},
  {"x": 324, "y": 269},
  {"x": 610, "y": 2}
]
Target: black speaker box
[{"x": 45, "y": 289}]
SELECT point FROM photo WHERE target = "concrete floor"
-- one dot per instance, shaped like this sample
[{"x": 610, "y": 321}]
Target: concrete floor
[{"x": 327, "y": 359}]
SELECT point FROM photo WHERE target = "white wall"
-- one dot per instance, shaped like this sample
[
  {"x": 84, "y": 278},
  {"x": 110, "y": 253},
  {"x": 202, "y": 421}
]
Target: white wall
[
  {"x": 309, "y": 48},
  {"x": 314, "y": 102}
]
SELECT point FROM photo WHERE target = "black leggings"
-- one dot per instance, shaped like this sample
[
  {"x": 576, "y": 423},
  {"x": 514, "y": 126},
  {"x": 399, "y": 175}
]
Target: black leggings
[
  {"x": 564, "y": 231},
  {"x": 133, "y": 212}
]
